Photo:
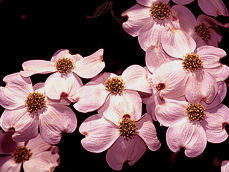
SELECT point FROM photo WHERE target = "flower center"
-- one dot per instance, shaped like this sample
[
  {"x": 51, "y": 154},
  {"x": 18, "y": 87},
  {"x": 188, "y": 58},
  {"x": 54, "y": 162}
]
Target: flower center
[
  {"x": 35, "y": 101},
  {"x": 64, "y": 65},
  {"x": 127, "y": 127},
  {"x": 21, "y": 154},
  {"x": 160, "y": 86},
  {"x": 203, "y": 31},
  {"x": 192, "y": 62},
  {"x": 114, "y": 85},
  {"x": 195, "y": 112},
  {"x": 160, "y": 11}
]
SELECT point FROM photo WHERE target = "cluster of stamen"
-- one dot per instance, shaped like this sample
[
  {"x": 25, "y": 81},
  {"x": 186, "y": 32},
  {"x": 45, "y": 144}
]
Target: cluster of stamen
[
  {"x": 203, "y": 31},
  {"x": 192, "y": 62},
  {"x": 160, "y": 11},
  {"x": 64, "y": 65},
  {"x": 21, "y": 154},
  {"x": 114, "y": 85},
  {"x": 160, "y": 86},
  {"x": 127, "y": 127},
  {"x": 195, "y": 112},
  {"x": 35, "y": 101}
]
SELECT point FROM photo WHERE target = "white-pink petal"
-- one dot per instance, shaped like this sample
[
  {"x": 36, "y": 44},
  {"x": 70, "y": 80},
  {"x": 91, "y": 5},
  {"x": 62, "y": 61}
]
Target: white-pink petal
[
  {"x": 32, "y": 67},
  {"x": 171, "y": 112},
  {"x": 213, "y": 7},
  {"x": 24, "y": 124},
  {"x": 137, "y": 17},
  {"x": 118, "y": 105},
  {"x": 225, "y": 166},
  {"x": 90, "y": 66},
  {"x": 177, "y": 43},
  {"x": 57, "y": 83},
  {"x": 189, "y": 135},
  {"x": 90, "y": 98},
  {"x": 147, "y": 131},
  {"x": 7, "y": 164},
  {"x": 125, "y": 150},
  {"x": 135, "y": 78},
  {"x": 149, "y": 3},
  {"x": 99, "y": 133},
  {"x": 55, "y": 120},
  {"x": 214, "y": 123}
]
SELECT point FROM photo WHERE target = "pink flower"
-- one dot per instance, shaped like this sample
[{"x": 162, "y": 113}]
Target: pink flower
[
  {"x": 109, "y": 89},
  {"x": 197, "y": 70},
  {"x": 149, "y": 20},
  {"x": 225, "y": 166},
  {"x": 34, "y": 155},
  {"x": 27, "y": 108},
  {"x": 65, "y": 68},
  {"x": 191, "y": 125},
  {"x": 210, "y": 7},
  {"x": 123, "y": 132}
]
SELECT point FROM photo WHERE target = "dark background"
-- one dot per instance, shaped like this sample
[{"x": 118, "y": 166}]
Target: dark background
[{"x": 36, "y": 29}]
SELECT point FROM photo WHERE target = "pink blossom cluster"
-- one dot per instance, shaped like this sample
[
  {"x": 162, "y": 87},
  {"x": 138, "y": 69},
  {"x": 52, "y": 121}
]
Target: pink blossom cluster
[{"x": 182, "y": 86}]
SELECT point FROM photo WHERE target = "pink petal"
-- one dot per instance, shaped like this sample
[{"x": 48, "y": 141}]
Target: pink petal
[
  {"x": 171, "y": 112},
  {"x": 118, "y": 105},
  {"x": 149, "y": 3},
  {"x": 24, "y": 124},
  {"x": 183, "y": 2},
  {"x": 213, "y": 7},
  {"x": 216, "y": 37},
  {"x": 149, "y": 35},
  {"x": 210, "y": 55},
  {"x": 99, "y": 133},
  {"x": 56, "y": 84},
  {"x": 7, "y": 164},
  {"x": 90, "y": 66},
  {"x": 44, "y": 161},
  {"x": 7, "y": 145},
  {"x": 138, "y": 16},
  {"x": 32, "y": 67},
  {"x": 200, "y": 85},
  {"x": 147, "y": 131},
  {"x": 125, "y": 150},
  {"x": 225, "y": 166},
  {"x": 189, "y": 135},
  {"x": 214, "y": 123},
  {"x": 54, "y": 121},
  {"x": 177, "y": 43},
  {"x": 185, "y": 18},
  {"x": 173, "y": 76},
  {"x": 220, "y": 73},
  {"x": 62, "y": 53},
  {"x": 135, "y": 78},
  {"x": 150, "y": 107},
  {"x": 38, "y": 145},
  {"x": 17, "y": 88},
  {"x": 155, "y": 57},
  {"x": 90, "y": 98},
  {"x": 221, "y": 94}
]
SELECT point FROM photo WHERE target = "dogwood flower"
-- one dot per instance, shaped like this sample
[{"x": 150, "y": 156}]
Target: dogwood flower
[
  {"x": 65, "y": 68},
  {"x": 195, "y": 74},
  {"x": 123, "y": 132},
  {"x": 108, "y": 89},
  {"x": 34, "y": 155},
  {"x": 27, "y": 108},
  {"x": 150, "y": 19},
  {"x": 191, "y": 125},
  {"x": 209, "y": 7}
]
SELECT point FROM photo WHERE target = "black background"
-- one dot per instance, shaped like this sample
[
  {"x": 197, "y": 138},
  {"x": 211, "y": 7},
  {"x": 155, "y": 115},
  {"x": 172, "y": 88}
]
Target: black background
[{"x": 36, "y": 29}]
